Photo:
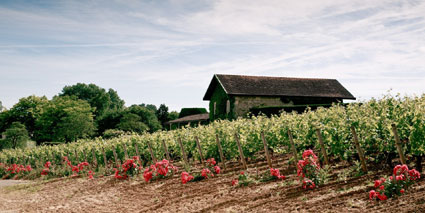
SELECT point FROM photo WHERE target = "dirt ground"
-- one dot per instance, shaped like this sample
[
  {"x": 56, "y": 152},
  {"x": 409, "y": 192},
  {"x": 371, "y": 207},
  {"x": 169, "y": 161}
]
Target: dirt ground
[{"x": 216, "y": 194}]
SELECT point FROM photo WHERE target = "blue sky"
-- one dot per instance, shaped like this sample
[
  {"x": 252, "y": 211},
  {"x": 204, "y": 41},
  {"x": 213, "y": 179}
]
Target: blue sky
[{"x": 167, "y": 51}]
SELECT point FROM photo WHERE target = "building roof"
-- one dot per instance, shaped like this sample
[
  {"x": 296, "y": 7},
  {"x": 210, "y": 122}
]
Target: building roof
[
  {"x": 278, "y": 86},
  {"x": 191, "y": 118}
]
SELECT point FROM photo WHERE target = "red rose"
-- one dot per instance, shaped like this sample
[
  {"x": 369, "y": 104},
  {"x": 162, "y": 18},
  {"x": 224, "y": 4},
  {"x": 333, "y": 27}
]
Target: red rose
[{"x": 217, "y": 169}]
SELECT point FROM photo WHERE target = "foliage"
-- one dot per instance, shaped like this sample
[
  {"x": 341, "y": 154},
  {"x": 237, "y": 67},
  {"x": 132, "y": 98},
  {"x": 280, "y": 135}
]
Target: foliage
[
  {"x": 150, "y": 107},
  {"x": 132, "y": 123},
  {"x": 162, "y": 114},
  {"x": 97, "y": 97},
  {"x": 26, "y": 111},
  {"x": 1, "y": 107},
  {"x": 191, "y": 111},
  {"x": 109, "y": 120},
  {"x": 243, "y": 180},
  {"x": 146, "y": 115},
  {"x": 65, "y": 119},
  {"x": 173, "y": 115},
  {"x": 16, "y": 135},
  {"x": 113, "y": 133}
]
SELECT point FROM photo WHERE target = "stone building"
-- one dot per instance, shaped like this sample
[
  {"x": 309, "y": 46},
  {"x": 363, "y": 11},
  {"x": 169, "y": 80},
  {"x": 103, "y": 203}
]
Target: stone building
[{"x": 232, "y": 96}]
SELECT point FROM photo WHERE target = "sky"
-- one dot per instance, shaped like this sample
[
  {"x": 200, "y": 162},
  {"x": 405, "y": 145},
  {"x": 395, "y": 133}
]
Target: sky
[{"x": 168, "y": 51}]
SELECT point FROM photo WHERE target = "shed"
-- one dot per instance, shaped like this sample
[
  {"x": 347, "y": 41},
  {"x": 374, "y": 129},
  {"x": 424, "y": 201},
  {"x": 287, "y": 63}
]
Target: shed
[{"x": 232, "y": 96}]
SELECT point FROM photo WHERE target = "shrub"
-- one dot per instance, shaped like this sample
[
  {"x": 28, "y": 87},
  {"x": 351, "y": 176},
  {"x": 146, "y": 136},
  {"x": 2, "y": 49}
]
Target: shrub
[
  {"x": 397, "y": 184},
  {"x": 309, "y": 170},
  {"x": 160, "y": 169}
]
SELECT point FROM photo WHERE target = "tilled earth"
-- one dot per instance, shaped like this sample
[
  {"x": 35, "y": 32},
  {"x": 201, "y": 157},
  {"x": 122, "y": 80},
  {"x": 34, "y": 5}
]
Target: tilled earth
[{"x": 105, "y": 194}]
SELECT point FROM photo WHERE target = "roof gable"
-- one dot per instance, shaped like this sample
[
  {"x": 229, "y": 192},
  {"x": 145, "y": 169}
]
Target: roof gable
[{"x": 278, "y": 86}]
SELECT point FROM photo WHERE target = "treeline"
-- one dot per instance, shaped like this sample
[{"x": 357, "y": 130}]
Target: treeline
[{"x": 79, "y": 111}]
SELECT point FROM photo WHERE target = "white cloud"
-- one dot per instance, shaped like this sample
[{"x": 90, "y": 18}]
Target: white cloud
[{"x": 370, "y": 45}]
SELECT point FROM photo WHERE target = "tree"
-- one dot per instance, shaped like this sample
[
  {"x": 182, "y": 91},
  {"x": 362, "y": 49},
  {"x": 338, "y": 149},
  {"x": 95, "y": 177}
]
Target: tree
[
  {"x": 97, "y": 97},
  {"x": 65, "y": 119},
  {"x": 109, "y": 120},
  {"x": 132, "y": 123},
  {"x": 173, "y": 115},
  {"x": 191, "y": 111},
  {"x": 26, "y": 111},
  {"x": 1, "y": 107},
  {"x": 147, "y": 116},
  {"x": 151, "y": 107},
  {"x": 16, "y": 134},
  {"x": 162, "y": 114}
]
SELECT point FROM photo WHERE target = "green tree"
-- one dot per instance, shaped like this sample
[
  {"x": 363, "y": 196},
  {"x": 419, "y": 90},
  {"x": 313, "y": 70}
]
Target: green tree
[
  {"x": 16, "y": 134},
  {"x": 162, "y": 114},
  {"x": 65, "y": 119},
  {"x": 132, "y": 123},
  {"x": 109, "y": 120},
  {"x": 1, "y": 107},
  {"x": 147, "y": 116},
  {"x": 26, "y": 111},
  {"x": 173, "y": 115},
  {"x": 151, "y": 107},
  {"x": 191, "y": 111},
  {"x": 97, "y": 97}
]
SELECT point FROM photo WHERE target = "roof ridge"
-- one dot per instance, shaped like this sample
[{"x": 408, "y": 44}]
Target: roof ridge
[{"x": 264, "y": 76}]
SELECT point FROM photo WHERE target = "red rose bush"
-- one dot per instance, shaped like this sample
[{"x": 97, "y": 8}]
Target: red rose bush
[
  {"x": 397, "y": 184},
  {"x": 160, "y": 169},
  {"x": 309, "y": 170}
]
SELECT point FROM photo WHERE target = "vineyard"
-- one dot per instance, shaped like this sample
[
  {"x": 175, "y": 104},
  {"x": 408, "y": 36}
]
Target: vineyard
[
  {"x": 372, "y": 121},
  {"x": 365, "y": 136}
]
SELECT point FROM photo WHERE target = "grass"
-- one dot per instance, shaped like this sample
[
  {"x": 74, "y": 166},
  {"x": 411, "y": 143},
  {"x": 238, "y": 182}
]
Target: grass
[{"x": 27, "y": 187}]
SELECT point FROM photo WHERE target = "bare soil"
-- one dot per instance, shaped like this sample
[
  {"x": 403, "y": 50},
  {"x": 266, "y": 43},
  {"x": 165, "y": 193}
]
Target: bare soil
[{"x": 105, "y": 194}]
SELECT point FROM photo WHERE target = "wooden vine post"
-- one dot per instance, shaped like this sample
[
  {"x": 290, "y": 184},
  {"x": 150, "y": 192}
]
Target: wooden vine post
[
  {"x": 322, "y": 146},
  {"x": 220, "y": 150},
  {"x": 85, "y": 155},
  {"x": 359, "y": 149},
  {"x": 183, "y": 152},
  {"x": 200, "y": 151},
  {"x": 164, "y": 146},
  {"x": 41, "y": 162},
  {"x": 52, "y": 158},
  {"x": 136, "y": 147},
  {"x": 266, "y": 150},
  {"x": 125, "y": 151},
  {"x": 76, "y": 156},
  {"x": 241, "y": 152},
  {"x": 105, "y": 161},
  {"x": 93, "y": 152},
  {"x": 151, "y": 151},
  {"x": 116, "y": 157},
  {"x": 293, "y": 148},
  {"x": 69, "y": 153},
  {"x": 398, "y": 144}
]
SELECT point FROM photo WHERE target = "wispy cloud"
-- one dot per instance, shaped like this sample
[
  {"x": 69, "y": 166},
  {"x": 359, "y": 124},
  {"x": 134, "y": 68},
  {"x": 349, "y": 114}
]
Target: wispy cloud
[{"x": 167, "y": 51}]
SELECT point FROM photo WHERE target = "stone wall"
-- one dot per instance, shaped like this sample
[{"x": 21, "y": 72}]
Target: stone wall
[{"x": 244, "y": 103}]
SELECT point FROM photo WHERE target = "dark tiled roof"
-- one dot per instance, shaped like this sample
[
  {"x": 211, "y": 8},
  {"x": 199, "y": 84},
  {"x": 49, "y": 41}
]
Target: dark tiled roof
[
  {"x": 278, "y": 86},
  {"x": 191, "y": 118}
]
